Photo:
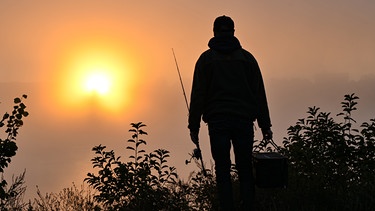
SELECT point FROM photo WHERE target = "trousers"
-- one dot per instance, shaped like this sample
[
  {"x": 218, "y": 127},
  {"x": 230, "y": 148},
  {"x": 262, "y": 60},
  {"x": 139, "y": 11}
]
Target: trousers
[{"x": 225, "y": 132}]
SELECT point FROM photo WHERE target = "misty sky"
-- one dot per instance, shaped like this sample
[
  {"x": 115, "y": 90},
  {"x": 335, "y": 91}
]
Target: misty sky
[{"x": 310, "y": 53}]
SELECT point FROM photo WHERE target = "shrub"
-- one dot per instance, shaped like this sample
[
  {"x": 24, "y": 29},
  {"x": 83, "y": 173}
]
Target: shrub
[
  {"x": 11, "y": 196},
  {"x": 145, "y": 182},
  {"x": 332, "y": 164},
  {"x": 69, "y": 199}
]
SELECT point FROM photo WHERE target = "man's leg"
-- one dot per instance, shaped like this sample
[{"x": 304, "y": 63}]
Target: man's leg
[
  {"x": 243, "y": 138},
  {"x": 220, "y": 149}
]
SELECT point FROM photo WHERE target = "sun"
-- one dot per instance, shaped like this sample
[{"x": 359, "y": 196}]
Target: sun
[
  {"x": 94, "y": 75},
  {"x": 98, "y": 82}
]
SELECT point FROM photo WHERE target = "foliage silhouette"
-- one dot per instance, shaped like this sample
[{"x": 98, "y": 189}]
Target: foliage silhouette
[
  {"x": 145, "y": 182},
  {"x": 69, "y": 199},
  {"x": 332, "y": 164},
  {"x": 10, "y": 196},
  {"x": 331, "y": 167}
]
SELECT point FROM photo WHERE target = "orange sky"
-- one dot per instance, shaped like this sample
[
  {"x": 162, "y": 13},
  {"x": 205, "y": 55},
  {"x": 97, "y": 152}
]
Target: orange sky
[{"x": 310, "y": 53}]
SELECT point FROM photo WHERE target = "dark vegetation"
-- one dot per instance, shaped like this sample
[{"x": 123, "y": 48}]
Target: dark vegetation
[
  {"x": 331, "y": 167},
  {"x": 331, "y": 163},
  {"x": 11, "y": 195}
]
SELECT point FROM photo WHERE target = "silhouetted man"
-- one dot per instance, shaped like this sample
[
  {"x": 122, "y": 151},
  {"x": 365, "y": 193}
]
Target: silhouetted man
[{"x": 228, "y": 94}]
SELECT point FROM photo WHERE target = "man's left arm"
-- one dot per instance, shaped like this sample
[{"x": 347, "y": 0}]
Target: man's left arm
[{"x": 263, "y": 116}]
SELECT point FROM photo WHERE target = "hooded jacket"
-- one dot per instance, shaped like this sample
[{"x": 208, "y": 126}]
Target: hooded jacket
[{"x": 227, "y": 82}]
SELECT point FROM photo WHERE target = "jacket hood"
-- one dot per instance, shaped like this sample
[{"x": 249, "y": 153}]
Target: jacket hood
[{"x": 224, "y": 44}]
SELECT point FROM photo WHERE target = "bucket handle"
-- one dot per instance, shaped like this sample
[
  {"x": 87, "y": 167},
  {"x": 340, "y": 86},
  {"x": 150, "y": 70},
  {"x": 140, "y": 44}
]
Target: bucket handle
[{"x": 264, "y": 144}]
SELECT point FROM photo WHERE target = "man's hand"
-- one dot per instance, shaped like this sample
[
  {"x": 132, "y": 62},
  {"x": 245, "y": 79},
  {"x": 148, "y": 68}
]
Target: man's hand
[
  {"x": 194, "y": 136},
  {"x": 267, "y": 133}
]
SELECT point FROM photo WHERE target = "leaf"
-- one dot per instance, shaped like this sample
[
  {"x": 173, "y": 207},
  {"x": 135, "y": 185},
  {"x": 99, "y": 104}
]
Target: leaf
[
  {"x": 25, "y": 114},
  {"x": 131, "y": 148},
  {"x": 22, "y": 106},
  {"x": 17, "y": 100},
  {"x": 143, "y": 142},
  {"x": 6, "y": 116},
  {"x": 142, "y": 132}
]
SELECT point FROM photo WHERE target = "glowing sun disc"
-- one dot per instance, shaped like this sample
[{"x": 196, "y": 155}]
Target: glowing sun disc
[{"x": 98, "y": 82}]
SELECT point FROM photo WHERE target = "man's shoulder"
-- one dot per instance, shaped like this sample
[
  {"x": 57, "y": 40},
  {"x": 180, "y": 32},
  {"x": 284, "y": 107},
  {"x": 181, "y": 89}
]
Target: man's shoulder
[
  {"x": 207, "y": 52},
  {"x": 247, "y": 53},
  {"x": 206, "y": 56},
  {"x": 211, "y": 52},
  {"x": 211, "y": 55}
]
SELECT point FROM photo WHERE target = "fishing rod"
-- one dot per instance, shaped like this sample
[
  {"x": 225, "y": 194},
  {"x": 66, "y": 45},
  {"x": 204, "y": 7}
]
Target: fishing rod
[
  {"x": 197, "y": 153},
  {"x": 182, "y": 84}
]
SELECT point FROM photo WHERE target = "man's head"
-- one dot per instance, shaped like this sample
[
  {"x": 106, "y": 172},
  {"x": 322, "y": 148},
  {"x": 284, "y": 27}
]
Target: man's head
[{"x": 223, "y": 25}]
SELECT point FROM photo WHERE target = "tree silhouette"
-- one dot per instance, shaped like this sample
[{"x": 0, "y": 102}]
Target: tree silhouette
[{"x": 9, "y": 195}]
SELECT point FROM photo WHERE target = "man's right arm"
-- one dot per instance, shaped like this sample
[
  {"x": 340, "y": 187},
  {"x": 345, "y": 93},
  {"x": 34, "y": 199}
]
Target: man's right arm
[{"x": 197, "y": 97}]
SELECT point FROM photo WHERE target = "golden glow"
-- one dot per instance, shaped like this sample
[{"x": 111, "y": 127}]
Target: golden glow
[{"x": 94, "y": 75}]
